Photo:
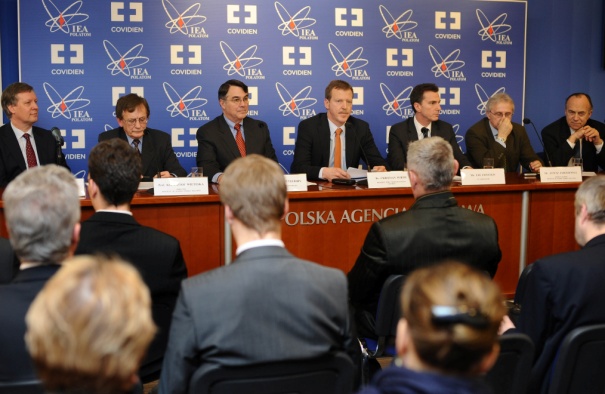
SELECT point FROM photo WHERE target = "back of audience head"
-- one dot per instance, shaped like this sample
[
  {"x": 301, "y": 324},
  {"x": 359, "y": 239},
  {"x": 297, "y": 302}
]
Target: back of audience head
[
  {"x": 253, "y": 188},
  {"x": 115, "y": 169},
  {"x": 432, "y": 161},
  {"x": 89, "y": 327},
  {"x": 590, "y": 205},
  {"x": 42, "y": 209},
  {"x": 451, "y": 316}
]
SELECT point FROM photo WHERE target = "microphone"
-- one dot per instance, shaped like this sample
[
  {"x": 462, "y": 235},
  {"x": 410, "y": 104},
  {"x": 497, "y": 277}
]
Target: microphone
[
  {"x": 528, "y": 121},
  {"x": 349, "y": 126},
  {"x": 59, "y": 138}
]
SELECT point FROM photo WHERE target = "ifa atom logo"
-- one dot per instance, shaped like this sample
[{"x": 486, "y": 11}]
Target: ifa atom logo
[
  {"x": 68, "y": 20},
  {"x": 397, "y": 104},
  {"x": 186, "y": 22},
  {"x": 243, "y": 64},
  {"x": 494, "y": 30},
  {"x": 298, "y": 104},
  {"x": 398, "y": 27},
  {"x": 350, "y": 65},
  {"x": 449, "y": 66},
  {"x": 187, "y": 105},
  {"x": 69, "y": 106},
  {"x": 295, "y": 24},
  {"x": 128, "y": 63}
]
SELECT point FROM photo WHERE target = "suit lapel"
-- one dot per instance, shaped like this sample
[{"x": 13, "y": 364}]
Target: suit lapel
[
  {"x": 350, "y": 146},
  {"x": 412, "y": 132},
  {"x": 324, "y": 131},
  {"x": 12, "y": 146},
  {"x": 148, "y": 153}
]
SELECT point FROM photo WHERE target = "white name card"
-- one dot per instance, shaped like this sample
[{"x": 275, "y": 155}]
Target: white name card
[
  {"x": 180, "y": 186},
  {"x": 483, "y": 176},
  {"x": 560, "y": 174},
  {"x": 81, "y": 187},
  {"x": 383, "y": 180},
  {"x": 296, "y": 182}
]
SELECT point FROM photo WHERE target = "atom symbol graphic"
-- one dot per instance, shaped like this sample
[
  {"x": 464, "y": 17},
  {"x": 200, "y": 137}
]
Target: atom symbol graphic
[
  {"x": 483, "y": 97},
  {"x": 237, "y": 64},
  {"x": 442, "y": 66},
  {"x": 459, "y": 138},
  {"x": 181, "y": 105},
  {"x": 395, "y": 104},
  {"x": 291, "y": 24},
  {"x": 121, "y": 64},
  {"x": 293, "y": 104},
  {"x": 61, "y": 20},
  {"x": 394, "y": 27},
  {"x": 344, "y": 65},
  {"x": 63, "y": 105},
  {"x": 490, "y": 29},
  {"x": 183, "y": 21}
]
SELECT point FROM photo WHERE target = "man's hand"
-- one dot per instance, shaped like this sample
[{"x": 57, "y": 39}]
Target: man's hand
[
  {"x": 505, "y": 127},
  {"x": 535, "y": 165},
  {"x": 330, "y": 173},
  {"x": 592, "y": 135},
  {"x": 379, "y": 169},
  {"x": 164, "y": 174},
  {"x": 505, "y": 325}
]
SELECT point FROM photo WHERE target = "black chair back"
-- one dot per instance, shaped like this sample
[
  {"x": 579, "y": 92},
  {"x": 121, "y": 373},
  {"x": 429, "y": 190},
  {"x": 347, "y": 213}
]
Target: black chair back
[
  {"x": 330, "y": 374},
  {"x": 522, "y": 284},
  {"x": 579, "y": 364},
  {"x": 510, "y": 374},
  {"x": 25, "y": 387}
]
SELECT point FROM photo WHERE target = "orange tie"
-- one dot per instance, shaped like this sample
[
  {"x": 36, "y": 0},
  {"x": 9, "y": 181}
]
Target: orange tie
[
  {"x": 239, "y": 140},
  {"x": 338, "y": 149}
]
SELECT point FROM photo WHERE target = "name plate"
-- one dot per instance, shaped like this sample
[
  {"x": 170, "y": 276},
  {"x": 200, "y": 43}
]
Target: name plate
[
  {"x": 560, "y": 174},
  {"x": 296, "y": 182},
  {"x": 483, "y": 176},
  {"x": 81, "y": 187},
  {"x": 180, "y": 186},
  {"x": 383, "y": 180}
]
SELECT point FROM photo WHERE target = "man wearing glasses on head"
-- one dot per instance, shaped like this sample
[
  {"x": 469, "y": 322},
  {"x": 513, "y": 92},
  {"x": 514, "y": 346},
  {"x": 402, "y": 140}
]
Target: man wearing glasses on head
[
  {"x": 233, "y": 134},
  {"x": 497, "y": 137},
  {"x": 157, "y": 155}
]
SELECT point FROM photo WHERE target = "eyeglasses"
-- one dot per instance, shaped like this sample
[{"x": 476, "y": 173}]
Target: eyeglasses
[
  {"x": 238, "y": 100},
  {"x": 502, "y": 114},
  {"x": 132, "y": 122}
]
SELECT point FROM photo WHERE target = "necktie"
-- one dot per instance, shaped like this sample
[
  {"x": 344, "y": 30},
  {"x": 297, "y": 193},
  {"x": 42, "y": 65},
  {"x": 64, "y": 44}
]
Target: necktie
[
  {"x": 338, "y": 149},
  {"x": 136, "y": 143},
  {"x": 425, "y": 132},
  {"x": 29, "y": 152},
  {"x": 239, "y": 140}
]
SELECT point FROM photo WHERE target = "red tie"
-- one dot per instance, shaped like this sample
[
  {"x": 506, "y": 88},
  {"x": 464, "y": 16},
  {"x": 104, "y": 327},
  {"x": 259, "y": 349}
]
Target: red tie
[
  {"x": 239, "y": 140},
  {"x": 29, "y": 152}
]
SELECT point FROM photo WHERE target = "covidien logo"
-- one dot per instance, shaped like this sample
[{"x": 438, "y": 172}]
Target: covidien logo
[
  {"x": 448, "y": 67},
  {"x": 186, "y": 105},
  {"x": 128, "y": 64},
  {"x": 297, "y": 24},
  {"x": 186, "y": 22},
  {"x": 493, "y": 59},
  {"x": 448, "y": 20},
  {"x": 290, "y": 55},
  {"x": 249, "y": 17},
  {"x": 483, "y": 97},
  {"x": 75, "y": 140},
  {"x": 396, "y": 104},
  {"x": 243, "y": 64},
  {"x": 298, "y": 104},
  {"x": 393, "y": 56},
  {"x": 118, "y": 91},
  {"x": 57, "y": 56},
  {"x": 118, "y": 11},
  {"x": 342, "y": 17},
  {"x": 69, "y": 106},
  {"x": 194, "y": 54},
  {"x": 350, "y": 65},
  {"x": 449, "y": 97},
  {"x": 400, "y": 27},
  {"x": 494, "y": 30},
  {"x": 69, "y": 20}
]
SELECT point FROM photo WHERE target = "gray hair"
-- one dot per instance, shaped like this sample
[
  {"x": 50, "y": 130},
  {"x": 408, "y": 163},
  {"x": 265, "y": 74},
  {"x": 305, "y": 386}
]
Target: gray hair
[
  {"x": 592, "y": 194},
  {"x": 497, "y": 98},
  {"x": 42, "y": 207},
  {"x": 432, "y": 159}
]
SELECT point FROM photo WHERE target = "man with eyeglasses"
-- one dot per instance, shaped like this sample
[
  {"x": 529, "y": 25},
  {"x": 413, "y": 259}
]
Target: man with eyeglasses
[
  {"x": 233, "y": 134},
  {"x": 575, "y": 135},
  {"x": 498, "y": 137},
  {"x": 154, "y": 146}
]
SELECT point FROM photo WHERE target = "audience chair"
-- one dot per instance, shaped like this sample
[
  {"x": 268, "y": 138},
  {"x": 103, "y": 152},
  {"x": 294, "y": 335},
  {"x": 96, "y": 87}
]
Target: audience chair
[
  {"x": 578, "y": 367},
  {"x": 510, "y": 374},
  {"x": 329, "y": 374},
  {"x": 23, "y": 387}
]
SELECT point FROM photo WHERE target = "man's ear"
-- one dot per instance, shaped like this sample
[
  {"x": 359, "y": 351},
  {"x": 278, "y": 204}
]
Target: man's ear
[
  {"x": 229, "y": 214},
  {"x": 286, "y": 208},
  {"x": 488, "y": 361},
  {"x": 402, "y": 340}
]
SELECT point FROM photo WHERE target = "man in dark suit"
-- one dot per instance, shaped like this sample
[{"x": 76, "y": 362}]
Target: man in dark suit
[
  {"x": 154, "y": 146},
  {"x": 566, "y": 291},
  {"x": 114, "y": 171},
  {"x": 9, "y": 263},
  {"x": 42, "y": 211},
  {"x": 434, "y": 229},
  {"x": 498, "y": 138},
  {"x": 22, "y": 145},
  {"x": 267, "y": 305},
  {"x": 329, "y": 143},
  {"x": 576, "y": 135},
  {"x": 425, "y": 123},
  {"x": 233, "y": 134}
]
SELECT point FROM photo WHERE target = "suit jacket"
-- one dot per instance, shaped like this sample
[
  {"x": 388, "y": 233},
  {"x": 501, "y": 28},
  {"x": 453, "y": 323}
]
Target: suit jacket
[
  {"x": 157, "y": 153},
  {"x": 12, "y": 162},
  {"x": 266, "y": 306},
  {"x": 216, "y": 147},
  {"x": 156, "y": 255},
  {"x": 312, "y": 149},
  {"x": 555, "y": 137},
  {"x": 480, "y": 143},
  {"x": 562, "y": 292},
  {"x": 432, "y": 230},
  {"x": 403, "y": 133},
  {"x": 9, "y": 263},
  {"x": 15, "y": 300}
]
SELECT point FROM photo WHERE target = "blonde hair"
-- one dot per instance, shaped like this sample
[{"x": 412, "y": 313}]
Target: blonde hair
[
  {"x": 456, "y": 342},
  {"x": 89, "y": 327}
]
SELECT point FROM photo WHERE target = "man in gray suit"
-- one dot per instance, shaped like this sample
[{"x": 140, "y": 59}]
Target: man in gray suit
[{"x": 267, "y": 305}]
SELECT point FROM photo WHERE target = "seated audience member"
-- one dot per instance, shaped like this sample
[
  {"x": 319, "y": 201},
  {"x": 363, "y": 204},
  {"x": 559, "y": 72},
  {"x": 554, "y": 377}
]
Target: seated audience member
[
  {"x": 576, "y": 135},
  {"x": 566, "y": 290},
  {"x": 425, "y": 101},
  {"x": 23, "y": 145},
  {"x": 233, "y": 134},
  {"x": 9, "y": 263},
  {"x": 497, "y": 137},
  {"x": 154, "y": 146},
  {"x": 448, "y": 334},
  {"x": 332, "y": 141},
  {"x": 42, "y": 211},
  {"x": 114, "y": 171},
  {"x": 432, "y": 229},
  {"x": 89, "y": 327},
  {"x": 267, "y": 305}
]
